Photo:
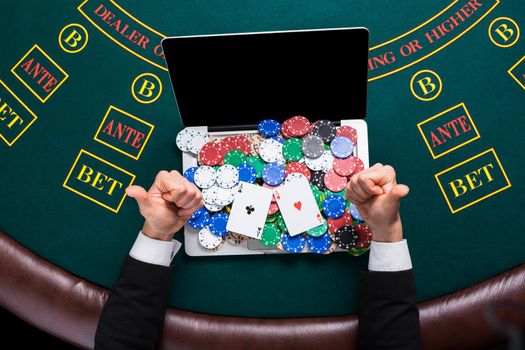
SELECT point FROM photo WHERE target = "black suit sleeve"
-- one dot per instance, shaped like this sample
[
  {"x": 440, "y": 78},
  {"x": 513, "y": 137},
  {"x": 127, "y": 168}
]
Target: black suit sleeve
[
  {"x": 133, "y": 316},
  {"x": 389, "y": 318}
]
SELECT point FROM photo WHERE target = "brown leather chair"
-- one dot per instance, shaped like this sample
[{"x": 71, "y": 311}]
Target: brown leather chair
[{"x": 68, "y": 307}]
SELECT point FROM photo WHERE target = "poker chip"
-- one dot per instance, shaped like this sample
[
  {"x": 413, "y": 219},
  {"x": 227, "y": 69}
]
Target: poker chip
[
  {"x": 234, "y": 157},
  {"x": 190, "y": 173},
  {"x": 355, "y": 251},
  {"x": 317, "y": 180},
  {"x": 319, "y": 230},
  {"x": 197, "y": 213},
  {"x": 208, "y": 194},
  {"x": 235, "y": 238},
  {"x": 271, "y": 235},
  {"x": 293, "y": 244},
  {"x": 211, "y": 153},
  {"x": 227, "y": 176},
  {"x": 247, "y": 173},
  {"x": 334, "y": 206},
  {"x": 346, "y": 237},
  {"x": 325, "y": 129},
  {"x": 292, "y": 149},
  {"x": 212, "y": 207},
  {"x": 313, "y": 146},
  {"x": 355, "y": 213},
  {"x": 364, "y": 234},
  {"x": 329, "y": 160},
  {"x": 208, "y": 240},
  {"x": 273, "y": 174},
  {"x": 204, "y": 176},
  {"x": 257, "y": 163},
  {"x": 281, "y": 223},
  {"x": 334, "y": 182},
  {"x": 218, "y": 223},
  {"x": 200, "y": 221},
  {"x": 224, "y": 196},
  {"x": 318, "y": 195},
  {"x": 318, "y": 164},
  {"x": 346, "y": 166},
  {"x": 243, "y": 144},
  {"x": 296, "y": 167},
  {"x": 297, "y": 126},
  {"x": 294, "y": 176},
  {"x": 196, "y": 141},
  {"x": 320, "y": 244},
  {"x": 335, "y": 224},
  {"x": 269, "y": 127},
  {"x": 341, "y": 147},
  {"x": 273, "y": 209},
  {"x": 271, "y": 151},
  {"x": 182, "y": 139},
  {"x": 347, "y": 131},
  {"x": 359, "y": 166}
]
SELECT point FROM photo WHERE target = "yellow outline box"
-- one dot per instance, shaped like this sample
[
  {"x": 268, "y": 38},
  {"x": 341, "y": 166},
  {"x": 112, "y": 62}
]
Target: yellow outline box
[
  {"x": 113, "y": 147},
  {"x": 435, "y": 156},
  {"x": 52, "y": 62},
  {"x": 455, "y": 210},
  {"x": 65, "y": 185},
  {"x": 522, "y": 84},
  {"x": 23, "y": 105}
]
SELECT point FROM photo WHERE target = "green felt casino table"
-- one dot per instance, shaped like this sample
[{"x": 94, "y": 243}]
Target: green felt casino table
[{"x": 86, "y": 109}]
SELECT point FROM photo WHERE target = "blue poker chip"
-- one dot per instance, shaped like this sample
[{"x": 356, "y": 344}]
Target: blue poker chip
[
  {"x": 200, "y": 220},
  {"x": 190, "y": 173},
  {"x": 334, "y": 206},
  {"x": 247, "y": 173},
  {"x": 269, "y": 127},
  {"x": 218, "y": 224},
  {"x": 197, "y": 213},
  {"x": 355, "y": 214},
  {"x": 341, "y": 147},
  {"x": 278, "y": 139},
  {"x": 273, "y": 174},
  {"x": 293, "y": 244},
  {"x": 319, "y": 245}
]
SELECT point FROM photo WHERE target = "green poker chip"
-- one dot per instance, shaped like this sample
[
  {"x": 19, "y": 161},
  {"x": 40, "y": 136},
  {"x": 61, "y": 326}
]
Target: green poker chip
[
  {"x": 319, "y": 230},
  {"x": 234, "y": 158},
  {"x": 271, "y": 235},
  {"x": 354, "y": 251},
  {"x": 292, "y": 149},
  {"x": 257, "y": 163},
  {"x": 281, "y": 223},
  {"x": 318, "y": 195}
]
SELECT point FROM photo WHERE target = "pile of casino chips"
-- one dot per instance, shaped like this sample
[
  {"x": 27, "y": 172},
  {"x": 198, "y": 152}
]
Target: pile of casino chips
[{"x": 278, "y": 153}]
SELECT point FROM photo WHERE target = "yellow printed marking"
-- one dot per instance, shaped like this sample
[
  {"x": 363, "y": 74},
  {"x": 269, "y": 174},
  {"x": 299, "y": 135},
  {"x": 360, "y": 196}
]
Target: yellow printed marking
[
  {"x": 504, "y": 32},
  {"x": 10, "y": 143},
  {"x": 148, "y": 88},
  {"x": 427, "y": 85},
  {"x": 73, "y": 39},
  {"x": 512, "y": 74}
]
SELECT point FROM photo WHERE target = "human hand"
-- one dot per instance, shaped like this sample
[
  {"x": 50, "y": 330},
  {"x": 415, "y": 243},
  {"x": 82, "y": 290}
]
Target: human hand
[
  {"x": 376, "y": 194},
  {"x": 167, "y": 205}
]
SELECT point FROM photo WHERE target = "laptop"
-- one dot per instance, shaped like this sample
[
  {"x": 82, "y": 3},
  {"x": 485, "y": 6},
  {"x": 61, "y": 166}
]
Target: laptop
[{"x": 225, "y": 84}]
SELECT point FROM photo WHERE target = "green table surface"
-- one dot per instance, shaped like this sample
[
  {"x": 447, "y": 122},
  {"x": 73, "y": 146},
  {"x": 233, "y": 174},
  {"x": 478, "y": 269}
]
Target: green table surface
[{"x": 449, "y": 251}]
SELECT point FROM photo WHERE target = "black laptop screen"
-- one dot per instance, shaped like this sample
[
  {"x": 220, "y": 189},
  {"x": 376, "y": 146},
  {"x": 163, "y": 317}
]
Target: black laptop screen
[{"x": 240, "y": 79}]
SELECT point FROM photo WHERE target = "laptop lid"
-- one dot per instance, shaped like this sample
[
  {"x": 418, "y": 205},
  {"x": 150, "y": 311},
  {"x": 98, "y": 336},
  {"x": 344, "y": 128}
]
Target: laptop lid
[{"x": 233, "y": 81}]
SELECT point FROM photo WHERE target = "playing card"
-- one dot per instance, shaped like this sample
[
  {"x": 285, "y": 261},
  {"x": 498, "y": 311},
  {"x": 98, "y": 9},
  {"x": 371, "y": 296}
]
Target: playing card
[
  {"x": 298, "y": 207},
  {"x": 249, "y": 210}
]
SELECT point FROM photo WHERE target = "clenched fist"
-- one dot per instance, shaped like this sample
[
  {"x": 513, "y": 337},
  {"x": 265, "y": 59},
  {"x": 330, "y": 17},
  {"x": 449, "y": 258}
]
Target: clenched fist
[
  {"x": 376, "y": 194},
  {"x": 167, "y": 205}
]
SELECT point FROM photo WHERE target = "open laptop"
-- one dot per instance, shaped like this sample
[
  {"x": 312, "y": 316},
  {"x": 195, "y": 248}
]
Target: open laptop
[{"x": 226, "y": 84}]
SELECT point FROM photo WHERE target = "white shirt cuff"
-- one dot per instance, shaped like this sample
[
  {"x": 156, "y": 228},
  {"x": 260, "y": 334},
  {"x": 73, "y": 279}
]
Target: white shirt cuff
[
  {"x": 154, "y": 251},
  {"x": 389, "y": 256}
]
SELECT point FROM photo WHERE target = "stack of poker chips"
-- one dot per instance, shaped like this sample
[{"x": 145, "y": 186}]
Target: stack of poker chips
[{"x": 321, "y": 152}]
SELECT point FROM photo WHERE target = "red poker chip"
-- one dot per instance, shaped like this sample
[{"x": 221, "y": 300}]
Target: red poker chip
[
  {"x": 347, "y": 131},
  {"x": 229, "y": 143},
  {"x": 298, "y": 126},
  {"x": 274, "y": 208},
  {"x": 336, "y": 224},
  {"x": 334, "y": 182},
  {"x": 364, "y": 234},
  {"x": 243, "y": 144},
  {"x": 359, "y": 166},
  {"x": 296, "y": 167},
  {"x": 211, "y": 153},
  {"x": 345, "y": 166}
]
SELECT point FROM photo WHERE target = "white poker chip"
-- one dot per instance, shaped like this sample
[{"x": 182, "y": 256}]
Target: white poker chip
[
  {"x": 196, "y": 141},
  {"x": 204, "y": 176},
  {"x": 227, "y": 176},
  {"x": 207, "y": 195},
  {"x": 316, "y": 164},
  {"x": 329, "y": 160},
  {"x": 213, "y": 207},
  {"x": 293, "y": 177},
  {"x": 208, "y": 240},
  {"x": 182, "y": 139},
  {"x": 271, "y": 151},
  {"x": 224, "y": 196}
]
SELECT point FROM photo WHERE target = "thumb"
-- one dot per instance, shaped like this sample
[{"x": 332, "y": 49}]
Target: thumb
[
  {"x": 399, "y": 191},
  {"x": 137, "y": 192}
]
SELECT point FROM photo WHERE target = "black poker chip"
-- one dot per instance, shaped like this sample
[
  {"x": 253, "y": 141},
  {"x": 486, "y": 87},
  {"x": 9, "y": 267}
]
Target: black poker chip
[
  {"x": 325, "y": 129},
  {"x": 346, "y": 237},
  {"x": 318, "y": 180}
]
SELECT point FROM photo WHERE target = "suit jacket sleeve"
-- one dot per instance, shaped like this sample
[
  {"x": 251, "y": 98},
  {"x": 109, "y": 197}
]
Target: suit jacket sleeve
[
  {"x": 133, "y": 316},
  {"x": 389, "y": 318}
]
